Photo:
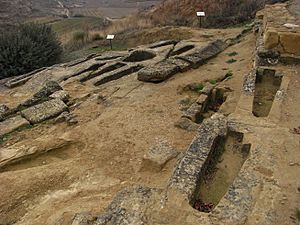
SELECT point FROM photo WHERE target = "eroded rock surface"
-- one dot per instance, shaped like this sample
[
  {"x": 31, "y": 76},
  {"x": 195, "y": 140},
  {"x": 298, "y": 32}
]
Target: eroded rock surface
[
  {"x": 44, "y": 111},
  {"x": 12, "y": 124},
  {"x": 129, "y": 207}
]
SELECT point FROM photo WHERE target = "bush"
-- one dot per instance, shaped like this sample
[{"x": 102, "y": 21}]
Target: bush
[
  {"x": 80, "y": 36},
  {"x": 27, "y": 47}
]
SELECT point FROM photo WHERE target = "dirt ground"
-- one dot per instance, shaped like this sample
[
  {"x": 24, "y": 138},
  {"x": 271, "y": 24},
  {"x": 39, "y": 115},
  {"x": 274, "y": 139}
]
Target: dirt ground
[{"x": 102, "y": 154}]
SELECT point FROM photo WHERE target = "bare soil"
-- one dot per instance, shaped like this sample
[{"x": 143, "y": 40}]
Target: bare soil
[{"x": 118, "y": 123}]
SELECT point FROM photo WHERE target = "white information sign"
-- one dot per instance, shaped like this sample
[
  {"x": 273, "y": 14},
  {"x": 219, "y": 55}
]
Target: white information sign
[
  {"x": 201, "y": 14},
  {"x": 110, "y": 37}
]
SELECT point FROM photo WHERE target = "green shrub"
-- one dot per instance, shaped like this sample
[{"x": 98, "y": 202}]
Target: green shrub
[
  {"x": 232, "y": 53},
  {"x": 199, "y": 87},
  {"x": 228, "y": 74},
  {"x": 298, "y": 213},
  {"x": 213, "y": 82},
  {"x": 230, "y": 61},
  {"x": 27, "y": 47}
]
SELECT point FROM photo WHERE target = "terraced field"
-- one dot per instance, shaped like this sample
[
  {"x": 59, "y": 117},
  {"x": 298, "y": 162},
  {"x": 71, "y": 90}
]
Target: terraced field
[{"x": 81, "y": 23}]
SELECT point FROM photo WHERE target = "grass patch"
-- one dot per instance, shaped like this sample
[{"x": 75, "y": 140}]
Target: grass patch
[
  {"x": 199, "y": 87},
  {"x": 232, "y": 54},
  {"x": 25, "y": 127},
  {"x": 213, "y": 82},
  {"x": 228, "y": 74},
  {"x": 4, "y": 138},
  {"x": 230, "y": 61},
  {"x": 298, "y": 213},
  {"x": 79, "y": 23}
]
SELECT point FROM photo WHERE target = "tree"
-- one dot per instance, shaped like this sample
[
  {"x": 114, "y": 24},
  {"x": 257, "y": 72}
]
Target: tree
[{"x": 27, "y": 47}]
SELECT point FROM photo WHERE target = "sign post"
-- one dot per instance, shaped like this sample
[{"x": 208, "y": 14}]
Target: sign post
[
  {"x": 200, "y": 15},
  {"x": 110, "y": 37}
]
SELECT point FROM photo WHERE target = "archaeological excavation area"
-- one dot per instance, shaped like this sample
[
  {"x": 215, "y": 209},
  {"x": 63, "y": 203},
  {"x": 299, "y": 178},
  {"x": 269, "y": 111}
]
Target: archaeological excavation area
[{"x": 200, "y": 131}]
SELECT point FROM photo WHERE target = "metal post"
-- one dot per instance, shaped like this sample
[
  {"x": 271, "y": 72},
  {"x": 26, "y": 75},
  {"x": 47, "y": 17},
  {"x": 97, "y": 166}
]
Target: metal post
[
  {"x": 111, "y": 47},
  {"x": 200, "y": 22}
]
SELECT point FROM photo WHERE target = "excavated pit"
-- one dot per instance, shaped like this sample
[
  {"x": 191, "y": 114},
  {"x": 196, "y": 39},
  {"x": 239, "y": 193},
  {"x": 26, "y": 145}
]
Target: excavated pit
[
  {"x": 182, "y": 50},
  {"x": 213, "y": 104},
  {"x": 222, "y": 166},
  {"x": 91, "y": 68},
  {"x": 58, "y": 154},
  {"x": 105, "y": 69},
  {"x": 266, "y": 86}
]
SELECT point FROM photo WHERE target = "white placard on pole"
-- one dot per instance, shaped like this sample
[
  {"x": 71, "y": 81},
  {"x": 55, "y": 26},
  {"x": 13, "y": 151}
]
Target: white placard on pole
[
  {"x": 110, "y": 37},
  {"x": 200, "y": 14}
]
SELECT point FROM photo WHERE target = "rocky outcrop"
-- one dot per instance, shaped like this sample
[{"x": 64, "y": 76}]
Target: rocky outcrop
[
  {"x": 12, "y": 124},
  {"x": 44, "y": 111},
  {"x": 20, "y": 151},
  {"x": 20, "y": 80}
]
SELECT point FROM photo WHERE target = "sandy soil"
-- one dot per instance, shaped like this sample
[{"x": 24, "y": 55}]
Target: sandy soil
[{"x": 118, "y": 123}]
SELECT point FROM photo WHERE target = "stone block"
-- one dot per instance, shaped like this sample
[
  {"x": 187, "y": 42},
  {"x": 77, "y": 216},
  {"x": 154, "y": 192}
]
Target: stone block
[
  {"x": 157, "y": 156},
  {"x": 44, "y": 111},
  {"x": 271, "y": 39},
  {"x": 290, "y": 42}
]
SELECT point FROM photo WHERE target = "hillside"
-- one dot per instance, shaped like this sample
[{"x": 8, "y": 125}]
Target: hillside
[
  {"x": 218, "y": 12},
  {"x": 13, "y": 11}
]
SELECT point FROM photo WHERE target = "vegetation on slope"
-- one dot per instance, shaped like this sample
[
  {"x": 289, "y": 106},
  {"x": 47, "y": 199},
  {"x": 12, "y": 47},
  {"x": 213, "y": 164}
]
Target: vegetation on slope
[
  {"x": 219, "y": 13},
  {"x": 27, "y": 47}
]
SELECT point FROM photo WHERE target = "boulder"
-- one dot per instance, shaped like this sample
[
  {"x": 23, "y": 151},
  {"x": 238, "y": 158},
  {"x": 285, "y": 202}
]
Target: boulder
[
  {"x": 140, "y": 55},
  {"x": 159, "y": 72},
  {"x": 44, "y": 111},
  {"x": 157, "y": 156},
  {"x": 12, "y": 124}
]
